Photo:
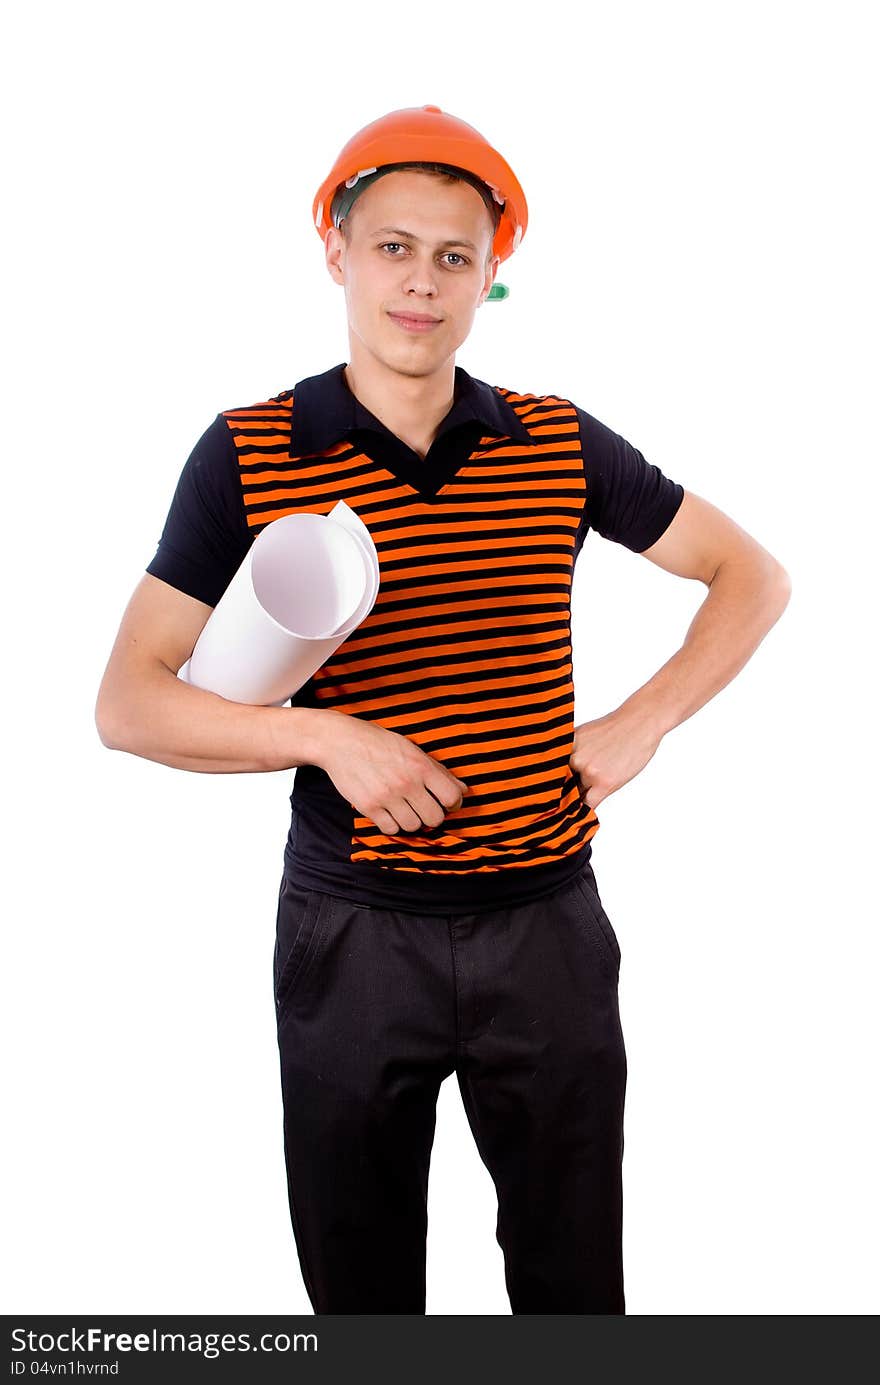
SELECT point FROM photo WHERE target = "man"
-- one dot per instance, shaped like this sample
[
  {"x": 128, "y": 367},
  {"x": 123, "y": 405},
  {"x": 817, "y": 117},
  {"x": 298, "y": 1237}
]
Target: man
[{"x": 437, "y": 912}]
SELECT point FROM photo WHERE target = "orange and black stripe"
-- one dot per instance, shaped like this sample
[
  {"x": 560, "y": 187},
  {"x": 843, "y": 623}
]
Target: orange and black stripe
[{"x": 467, "y": 650}]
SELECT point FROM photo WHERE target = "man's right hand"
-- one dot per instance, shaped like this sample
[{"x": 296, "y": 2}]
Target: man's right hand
[{"x": 386, "y": 777}]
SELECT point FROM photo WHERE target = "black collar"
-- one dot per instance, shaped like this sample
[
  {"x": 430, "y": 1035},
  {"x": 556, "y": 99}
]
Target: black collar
[{"x": 325, "y": 410}]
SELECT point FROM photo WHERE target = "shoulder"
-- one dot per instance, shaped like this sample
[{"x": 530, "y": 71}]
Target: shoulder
[
  {"x": 248, "y": 423},
  {"x": 597, "y": 440},
  {"x": 274, "y": 404},
  {"x": 546, "y": 417},
  {"x": 522, "y": 398}
]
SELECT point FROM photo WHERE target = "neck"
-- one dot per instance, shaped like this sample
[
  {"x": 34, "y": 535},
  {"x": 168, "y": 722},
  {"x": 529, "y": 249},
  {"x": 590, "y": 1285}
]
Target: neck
[{"x": 411, "y": 406}]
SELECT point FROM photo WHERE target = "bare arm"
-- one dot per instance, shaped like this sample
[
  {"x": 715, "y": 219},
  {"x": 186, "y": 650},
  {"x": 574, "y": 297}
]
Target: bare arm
[
  {"x": 144, "y": 708},
  {"x": 744, "y": 601},
  {"x": 748, "y": 591}
]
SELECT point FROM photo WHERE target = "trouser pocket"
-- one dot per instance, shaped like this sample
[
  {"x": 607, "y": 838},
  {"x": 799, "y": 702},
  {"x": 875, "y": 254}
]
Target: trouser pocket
[
  {"x": 295, "y": 932},
  {"x": 597, "y": 919}
]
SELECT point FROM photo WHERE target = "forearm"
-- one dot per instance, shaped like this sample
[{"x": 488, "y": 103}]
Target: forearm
[
  {"x": 160, "y": 717},
  {"x": 744, "y": 602}
]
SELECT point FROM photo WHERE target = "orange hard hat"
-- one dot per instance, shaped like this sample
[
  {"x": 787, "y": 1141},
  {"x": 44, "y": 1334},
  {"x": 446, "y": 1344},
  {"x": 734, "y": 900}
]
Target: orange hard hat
[{"x": 425, "y": 134}]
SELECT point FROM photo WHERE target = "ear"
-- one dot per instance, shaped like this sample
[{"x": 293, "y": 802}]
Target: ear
[
  {"x": 334, "y": 254},
  {"x": 490, "y": 278}
]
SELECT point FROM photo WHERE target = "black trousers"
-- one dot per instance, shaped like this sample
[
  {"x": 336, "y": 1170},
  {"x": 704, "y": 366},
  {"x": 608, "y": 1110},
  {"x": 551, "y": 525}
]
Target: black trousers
[{"x": 375, "y": 1007}]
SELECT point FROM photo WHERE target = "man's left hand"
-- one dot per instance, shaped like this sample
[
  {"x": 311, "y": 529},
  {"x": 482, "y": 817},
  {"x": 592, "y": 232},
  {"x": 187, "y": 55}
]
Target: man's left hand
[{"x": 610, "y": 751}]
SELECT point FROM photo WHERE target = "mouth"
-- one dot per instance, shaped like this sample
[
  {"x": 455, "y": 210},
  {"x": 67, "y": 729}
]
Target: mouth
[{"x": 415, "y": 322}]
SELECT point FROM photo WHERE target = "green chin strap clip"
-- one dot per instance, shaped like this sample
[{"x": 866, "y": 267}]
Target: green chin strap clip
[{"x": 497, "y": 291}]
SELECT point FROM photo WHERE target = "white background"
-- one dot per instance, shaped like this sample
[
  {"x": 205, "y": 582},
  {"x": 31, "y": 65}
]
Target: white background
[{"x": 699, "y": 272}]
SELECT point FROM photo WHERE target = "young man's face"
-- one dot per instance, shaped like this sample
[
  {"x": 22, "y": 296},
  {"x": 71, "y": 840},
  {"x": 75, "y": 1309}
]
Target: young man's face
[{"x": 411, "y": 269}]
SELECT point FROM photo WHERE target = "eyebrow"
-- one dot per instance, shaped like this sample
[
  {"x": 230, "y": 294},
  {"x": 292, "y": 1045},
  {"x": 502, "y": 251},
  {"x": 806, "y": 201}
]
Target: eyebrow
[{"x": 408, "y": 235}]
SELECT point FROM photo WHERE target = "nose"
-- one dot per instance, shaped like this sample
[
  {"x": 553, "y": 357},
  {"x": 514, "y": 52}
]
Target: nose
[{"x": 420, "y": 276}]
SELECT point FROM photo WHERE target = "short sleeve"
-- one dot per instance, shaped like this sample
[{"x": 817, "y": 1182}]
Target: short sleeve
[
  {"x": 629, "y": 500},
  {"x": 206, "y": 536}
]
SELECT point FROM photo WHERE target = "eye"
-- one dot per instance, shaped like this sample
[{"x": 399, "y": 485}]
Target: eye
[{"x": 454, "y": 253}]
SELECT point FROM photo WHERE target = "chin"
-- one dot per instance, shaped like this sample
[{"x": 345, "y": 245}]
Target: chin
[
  {"x": 414, "y": 354},
  {"x": 407, "y": 366}
]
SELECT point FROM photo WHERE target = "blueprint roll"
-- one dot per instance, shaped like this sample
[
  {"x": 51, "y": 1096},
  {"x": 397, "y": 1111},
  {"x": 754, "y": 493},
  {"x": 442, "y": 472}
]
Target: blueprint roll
[{"x": 306, "y": 582}]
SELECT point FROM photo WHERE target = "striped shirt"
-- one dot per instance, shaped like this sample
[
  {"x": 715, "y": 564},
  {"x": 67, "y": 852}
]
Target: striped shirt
[{"x": 467, "y": 650}]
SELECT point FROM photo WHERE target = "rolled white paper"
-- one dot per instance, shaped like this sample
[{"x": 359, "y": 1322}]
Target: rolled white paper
[{"x": 305, "y": 583}]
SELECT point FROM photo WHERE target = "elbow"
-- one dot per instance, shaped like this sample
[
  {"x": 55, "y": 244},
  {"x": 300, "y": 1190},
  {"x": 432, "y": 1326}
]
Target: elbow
[
  {"x": 775, "y": 578},
  {"x": 768, "y": 572},
  {"x": 783, "y": 583},
  {"x": 778, "y": 592},
  {"x": 107, "y": 725},
  {"x": 104, "y": 733}
]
